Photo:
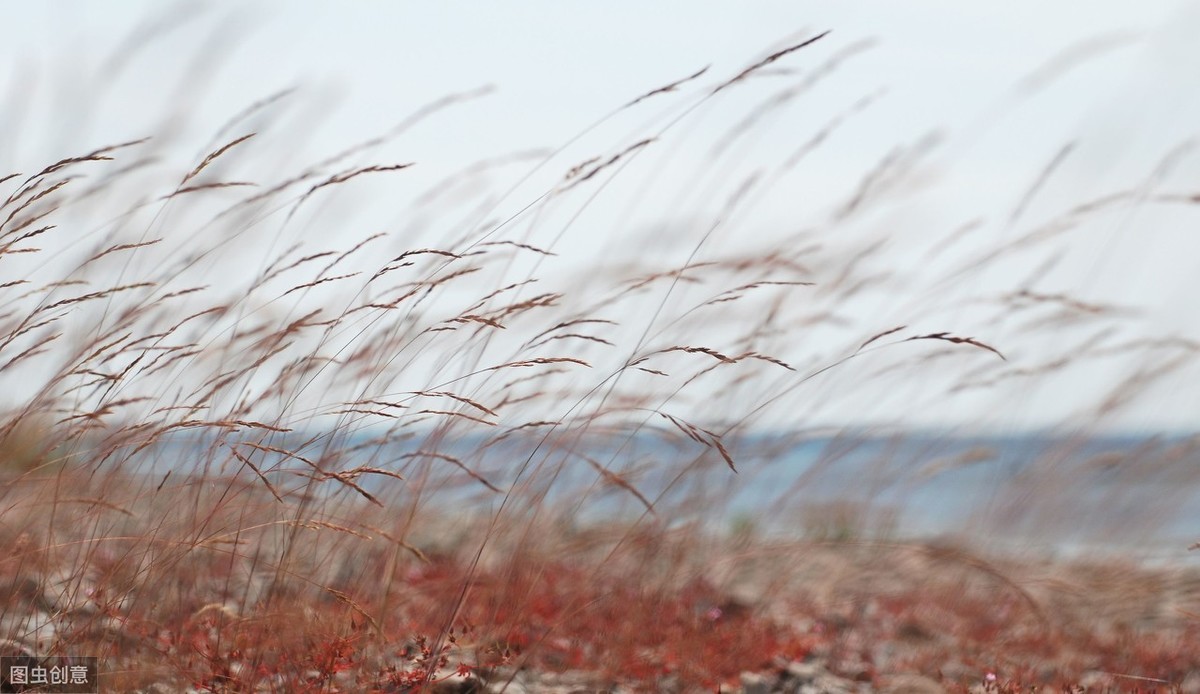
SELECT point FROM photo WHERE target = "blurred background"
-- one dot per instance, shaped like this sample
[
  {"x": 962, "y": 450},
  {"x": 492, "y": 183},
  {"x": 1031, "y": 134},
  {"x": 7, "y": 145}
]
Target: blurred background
[{"x": 958, "y": 112}]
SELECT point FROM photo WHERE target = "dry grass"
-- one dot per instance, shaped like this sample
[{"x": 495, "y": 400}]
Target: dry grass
[{"x": 240, "y": 459}]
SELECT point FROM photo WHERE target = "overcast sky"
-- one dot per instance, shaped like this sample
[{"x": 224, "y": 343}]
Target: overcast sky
[{"x": 1005, "y": 86}]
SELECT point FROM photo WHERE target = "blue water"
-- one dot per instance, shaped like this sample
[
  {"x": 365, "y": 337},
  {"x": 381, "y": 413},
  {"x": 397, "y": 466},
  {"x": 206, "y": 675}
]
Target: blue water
[{"x": 1120, "y": 491}]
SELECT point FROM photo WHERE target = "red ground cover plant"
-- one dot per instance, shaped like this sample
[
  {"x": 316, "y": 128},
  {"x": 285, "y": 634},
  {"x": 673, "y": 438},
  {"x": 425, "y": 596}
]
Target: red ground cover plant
[{"x": 621, "y": 625}]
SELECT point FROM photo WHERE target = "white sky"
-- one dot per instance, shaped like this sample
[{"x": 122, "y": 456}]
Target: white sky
[{"x": 1126, "y": 87}]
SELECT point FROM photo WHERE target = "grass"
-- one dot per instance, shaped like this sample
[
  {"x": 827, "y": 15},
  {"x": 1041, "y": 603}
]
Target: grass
[{"x": 244, "y": 452}]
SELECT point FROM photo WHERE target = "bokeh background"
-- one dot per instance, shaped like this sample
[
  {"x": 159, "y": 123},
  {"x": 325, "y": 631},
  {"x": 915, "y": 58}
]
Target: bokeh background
[{"x": 968, "y": 106}]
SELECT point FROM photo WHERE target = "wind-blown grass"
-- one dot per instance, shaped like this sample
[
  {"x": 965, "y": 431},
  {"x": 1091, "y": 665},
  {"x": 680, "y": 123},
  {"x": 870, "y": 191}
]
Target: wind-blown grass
[{"x": 248, "y": 447}]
